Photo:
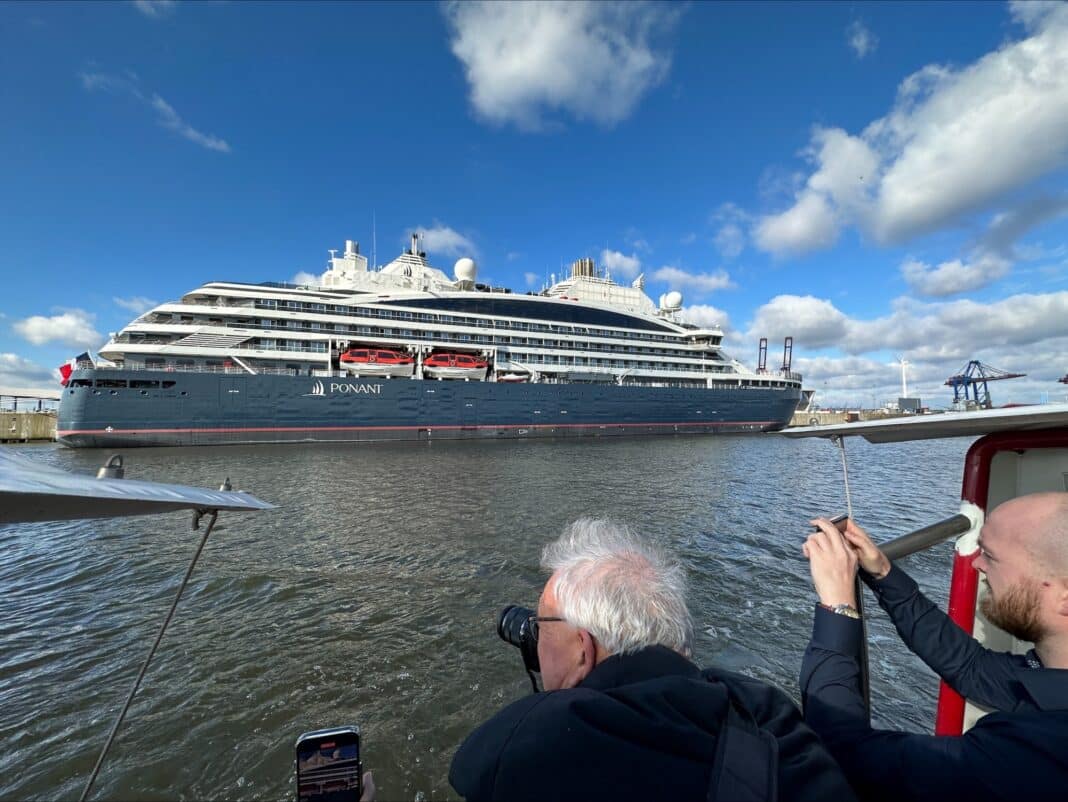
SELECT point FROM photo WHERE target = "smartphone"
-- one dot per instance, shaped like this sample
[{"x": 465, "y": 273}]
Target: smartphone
[
  {"x": 328, "y": 765},
  {"x": 839, "y": 521}
]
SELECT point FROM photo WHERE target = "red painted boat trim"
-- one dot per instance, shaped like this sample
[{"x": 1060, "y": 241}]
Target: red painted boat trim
[
  {"x": 964, "y": 586},
  {"x": 224, "y": 429}
]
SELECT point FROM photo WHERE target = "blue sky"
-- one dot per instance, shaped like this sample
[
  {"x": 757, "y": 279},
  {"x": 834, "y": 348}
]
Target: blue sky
[{"x": 876, "y": 179}]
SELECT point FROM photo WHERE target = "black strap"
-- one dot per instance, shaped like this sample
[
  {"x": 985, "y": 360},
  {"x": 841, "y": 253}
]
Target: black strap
[{"x": 746, "y": 767}]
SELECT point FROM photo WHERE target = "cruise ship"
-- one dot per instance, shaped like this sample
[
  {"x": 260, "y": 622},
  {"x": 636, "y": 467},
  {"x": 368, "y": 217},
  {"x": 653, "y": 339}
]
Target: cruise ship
[{"x": 406, "y": 352}]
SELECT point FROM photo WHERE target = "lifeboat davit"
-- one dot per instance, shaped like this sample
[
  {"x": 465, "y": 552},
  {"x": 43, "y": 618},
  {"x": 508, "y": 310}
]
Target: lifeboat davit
[
  {"x": 455, "y": 366},
  {"x": 377, "y": 362}
]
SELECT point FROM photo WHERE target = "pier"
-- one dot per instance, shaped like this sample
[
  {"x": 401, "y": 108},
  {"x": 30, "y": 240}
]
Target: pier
[{"x": 27, "y": 418}]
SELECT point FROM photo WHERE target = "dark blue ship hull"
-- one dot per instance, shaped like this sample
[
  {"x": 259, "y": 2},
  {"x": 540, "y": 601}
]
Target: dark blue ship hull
[{"x": 113, "y": 408}]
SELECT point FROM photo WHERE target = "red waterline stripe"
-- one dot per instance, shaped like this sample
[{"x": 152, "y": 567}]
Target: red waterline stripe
[{"x": 64, "y": 432}]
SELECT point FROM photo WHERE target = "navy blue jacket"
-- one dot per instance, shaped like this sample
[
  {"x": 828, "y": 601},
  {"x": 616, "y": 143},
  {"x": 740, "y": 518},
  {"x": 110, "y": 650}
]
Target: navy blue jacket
[
  {"x": 1017, "y": 753},
  {"x": 642, "y": 726}
]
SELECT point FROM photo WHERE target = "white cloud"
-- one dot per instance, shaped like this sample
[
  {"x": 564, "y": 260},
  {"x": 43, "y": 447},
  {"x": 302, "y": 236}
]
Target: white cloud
[
  {"x": 531, "y": 279},
  {"x": 810, "y": 225},
  {"x": 72, "y": 327},
  {"x": 729, "y": 220},
  {"x": 526, "y": 62},
  {"x": 441, "y": 239},
  {"x": 861, "y": 40},
  {"x": 621, "y": 264},
  {"x": 157, "y": 9},
  {"x": 706, "y": 316},
  {"x": 952, "y": 277},
  {"x": 955, "y": 141},
  {"x": 730, "y": 241},
  {"x": 953, "y": 330},
  {"x": 166, "y": 116},
  {"x": 22, "y": 377},
  {"x": 812, "y": 322},
  {"x": 992, "y": 257},
  {"x": 303, "y": 277},
  {"x": 677, "y": 278},
  {"x": 1023, "y": 333},
  {"x": 137, "y": 304}
]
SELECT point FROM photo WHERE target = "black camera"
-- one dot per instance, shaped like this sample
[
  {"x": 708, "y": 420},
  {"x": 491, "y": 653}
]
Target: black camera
[{"x": 514, "y": 627}]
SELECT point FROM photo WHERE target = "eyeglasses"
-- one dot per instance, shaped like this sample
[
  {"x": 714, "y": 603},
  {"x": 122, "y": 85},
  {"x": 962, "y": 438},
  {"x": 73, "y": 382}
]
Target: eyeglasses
[{"x": 534, "y": 620}]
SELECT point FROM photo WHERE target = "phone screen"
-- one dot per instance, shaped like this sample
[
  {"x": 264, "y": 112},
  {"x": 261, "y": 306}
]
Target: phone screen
[{"x": 328, "y": 766}]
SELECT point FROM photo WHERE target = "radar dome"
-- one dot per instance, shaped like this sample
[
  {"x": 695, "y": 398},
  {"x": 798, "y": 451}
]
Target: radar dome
[
  {"x": 673, "y": 300},
  {"x": 465, "y": 269}
]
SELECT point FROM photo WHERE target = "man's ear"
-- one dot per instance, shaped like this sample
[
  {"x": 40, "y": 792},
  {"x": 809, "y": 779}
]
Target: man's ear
[
  {"x": 1061, "y": 586},
  {"x": 588, "y": 658}
]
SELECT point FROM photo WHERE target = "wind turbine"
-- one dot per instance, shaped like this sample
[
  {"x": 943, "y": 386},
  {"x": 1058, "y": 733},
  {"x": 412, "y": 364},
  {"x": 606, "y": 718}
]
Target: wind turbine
[{"x": 904, "y": 375}]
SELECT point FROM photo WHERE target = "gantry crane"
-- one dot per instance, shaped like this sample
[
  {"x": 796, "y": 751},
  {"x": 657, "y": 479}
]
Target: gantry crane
[{"x": 969, "y": 386}]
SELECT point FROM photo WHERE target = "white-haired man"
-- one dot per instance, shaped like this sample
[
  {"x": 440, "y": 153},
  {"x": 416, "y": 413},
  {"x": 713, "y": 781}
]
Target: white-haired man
[
  {"x": 626, "y": 714},
  {"x": 1018, "y": 752}
]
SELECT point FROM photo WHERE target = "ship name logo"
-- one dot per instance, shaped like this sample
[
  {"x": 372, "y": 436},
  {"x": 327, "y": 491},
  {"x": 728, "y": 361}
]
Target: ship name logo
[{"x": 321, "y": 389}]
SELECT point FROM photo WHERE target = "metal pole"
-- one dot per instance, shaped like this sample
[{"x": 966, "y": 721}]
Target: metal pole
[{"x": 926, "y": 537}]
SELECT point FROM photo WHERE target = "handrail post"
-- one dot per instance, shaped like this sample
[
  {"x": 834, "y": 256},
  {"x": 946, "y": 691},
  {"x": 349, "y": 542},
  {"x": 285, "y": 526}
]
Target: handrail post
[{"x": 896, "y": 549}]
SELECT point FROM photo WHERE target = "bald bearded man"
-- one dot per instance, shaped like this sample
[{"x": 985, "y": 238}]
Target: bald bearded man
[{"x": 1019, "y": 751}]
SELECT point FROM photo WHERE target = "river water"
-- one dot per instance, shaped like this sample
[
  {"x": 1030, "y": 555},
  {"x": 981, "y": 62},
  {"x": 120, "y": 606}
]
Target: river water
[{"x": 370, "y": 596}]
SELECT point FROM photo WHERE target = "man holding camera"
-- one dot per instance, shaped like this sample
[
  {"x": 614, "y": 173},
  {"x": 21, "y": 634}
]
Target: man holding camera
[
  {"x": 626, "y": 714},
  {"x": 1016, "y": 752}
]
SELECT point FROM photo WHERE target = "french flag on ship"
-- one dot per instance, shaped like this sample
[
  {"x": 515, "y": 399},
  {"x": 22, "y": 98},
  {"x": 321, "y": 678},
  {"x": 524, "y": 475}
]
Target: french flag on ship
[{"x": 68, "y": 367}]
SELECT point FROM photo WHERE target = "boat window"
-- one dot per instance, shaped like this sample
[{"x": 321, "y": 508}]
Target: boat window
[
  {"x": 111, "y": 382},
  {"x": 81, "y": 383},
  {"x": 168, "y": 384},
  {"x": 144, "y": 383}
]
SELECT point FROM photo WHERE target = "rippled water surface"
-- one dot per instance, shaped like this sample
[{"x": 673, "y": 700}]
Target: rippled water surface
[{"x": 370, "y": 596}]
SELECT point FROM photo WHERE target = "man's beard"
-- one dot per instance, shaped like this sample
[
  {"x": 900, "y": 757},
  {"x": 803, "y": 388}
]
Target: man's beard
[{"x": 1015, "y": 611}]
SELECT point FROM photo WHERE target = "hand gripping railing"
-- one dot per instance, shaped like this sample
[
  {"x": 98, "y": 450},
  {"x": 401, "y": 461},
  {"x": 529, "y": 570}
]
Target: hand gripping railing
[{"x": 896, "y": 549}]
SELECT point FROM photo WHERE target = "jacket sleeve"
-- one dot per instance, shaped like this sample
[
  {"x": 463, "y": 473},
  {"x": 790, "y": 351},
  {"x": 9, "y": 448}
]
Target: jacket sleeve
[
  {"x": 880, "y": 764},
  {"x": 976, "y": 673},
  {"x": 475, "y": 766},
  {"x": 807, "y": 771}
]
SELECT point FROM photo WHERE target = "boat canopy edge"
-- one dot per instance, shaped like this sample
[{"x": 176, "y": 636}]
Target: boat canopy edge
[
  {"x": 950, "y": 424},
  {"x": 30, "y": 491}
]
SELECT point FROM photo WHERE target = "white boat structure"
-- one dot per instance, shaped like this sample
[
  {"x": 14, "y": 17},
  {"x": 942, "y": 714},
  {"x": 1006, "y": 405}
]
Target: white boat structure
[
  {"x": 232, "y": 362},
  {"x": 1020, "y": 450}
]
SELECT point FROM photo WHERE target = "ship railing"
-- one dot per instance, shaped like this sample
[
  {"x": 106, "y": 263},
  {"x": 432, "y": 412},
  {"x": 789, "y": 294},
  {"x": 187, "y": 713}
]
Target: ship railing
[{"x": 231, "y": 369}]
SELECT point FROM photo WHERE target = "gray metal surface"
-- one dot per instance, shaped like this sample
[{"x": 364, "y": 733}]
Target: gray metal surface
[{"x": 33, "y": 492}]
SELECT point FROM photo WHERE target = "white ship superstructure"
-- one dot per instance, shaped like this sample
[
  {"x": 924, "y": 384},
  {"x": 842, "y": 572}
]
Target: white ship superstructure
[{"x": 583, "y": 329}]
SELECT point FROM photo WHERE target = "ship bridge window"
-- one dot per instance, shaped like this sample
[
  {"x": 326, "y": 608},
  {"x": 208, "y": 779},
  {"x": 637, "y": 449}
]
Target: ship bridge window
[
  {"x": 81, "y": 383},
  {"x": 111, "y": 382}
]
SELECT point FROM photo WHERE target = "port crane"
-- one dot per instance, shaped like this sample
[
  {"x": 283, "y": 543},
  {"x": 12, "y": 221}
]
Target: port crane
[{"x": 970, "y": 384}]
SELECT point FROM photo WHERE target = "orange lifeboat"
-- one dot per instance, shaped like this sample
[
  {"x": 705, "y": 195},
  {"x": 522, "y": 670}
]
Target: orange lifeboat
[{"x": 377, "y": 362}]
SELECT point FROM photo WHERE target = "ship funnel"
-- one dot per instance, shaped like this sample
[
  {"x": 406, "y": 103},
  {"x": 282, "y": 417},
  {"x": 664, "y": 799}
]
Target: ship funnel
[
  {"x": 352, "y": 247},
  {"x": 415, "y": 244}
]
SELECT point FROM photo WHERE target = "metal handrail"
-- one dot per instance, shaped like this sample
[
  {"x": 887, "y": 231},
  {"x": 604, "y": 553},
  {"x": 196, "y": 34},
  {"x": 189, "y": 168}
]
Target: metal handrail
[
  {"x": 924, "y": 538},
  {"x": 896, "y": 549}
]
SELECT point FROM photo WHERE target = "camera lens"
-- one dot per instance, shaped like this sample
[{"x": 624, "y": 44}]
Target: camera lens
[{"x": 512, "y": 628}]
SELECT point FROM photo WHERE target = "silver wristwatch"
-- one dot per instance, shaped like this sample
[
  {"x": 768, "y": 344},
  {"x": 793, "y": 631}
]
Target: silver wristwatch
[{"x": 848, "y": 610}]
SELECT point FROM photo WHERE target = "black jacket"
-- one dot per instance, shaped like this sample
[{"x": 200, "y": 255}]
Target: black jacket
[
  {"x": 641, "y": 726},
  {"x": 1018, "y": 753}
]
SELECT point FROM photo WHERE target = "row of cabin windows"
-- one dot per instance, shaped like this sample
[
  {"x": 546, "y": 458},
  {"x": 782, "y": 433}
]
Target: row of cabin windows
[
  {"x": 427, "y": 317},
  {"x": 134, "y": 384},
  {"x": 294, "y": 325}
]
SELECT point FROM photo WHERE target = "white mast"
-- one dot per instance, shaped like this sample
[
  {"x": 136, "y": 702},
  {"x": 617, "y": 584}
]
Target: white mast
[{"x": 904, "y": 376}]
